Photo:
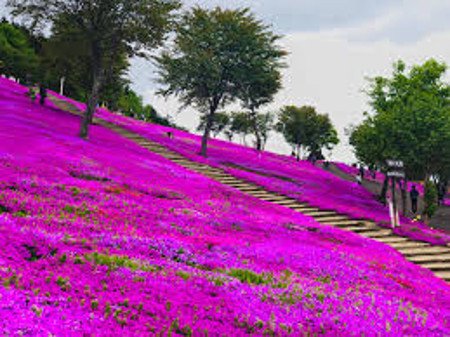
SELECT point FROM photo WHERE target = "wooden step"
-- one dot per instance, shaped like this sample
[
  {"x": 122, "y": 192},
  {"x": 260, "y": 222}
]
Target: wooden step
[
  {"x": 319, "y": 214},
  {"x": 376, "y": 233},
  {"x": 408, "y": 244},
  {"x": 392, "y": 239},
  {"x": 260, "y": 194},
  {"x": 269, "y": 198},
  {"x": 334, "y": 219},
  {"x": 358, "y": 229},
  {"x": 228, "y": 180},
  {"x": 428, "y": 258},
  {"x": 287, "y": 202},
  {"x": 239, "y": 184},
  {"x": 445, "y": 275},
  {"x": 303, "y": 208},
  {"x": 431, "y": 250},
  {"x": 437, "y": 265},
  {"x": 349, "y": 223},
  {"x": 340, "y": 224},
  {"x": 243, "y": 188}
]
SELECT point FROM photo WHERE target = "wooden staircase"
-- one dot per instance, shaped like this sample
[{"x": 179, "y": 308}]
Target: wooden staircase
[{"x": 434, "y": 258}]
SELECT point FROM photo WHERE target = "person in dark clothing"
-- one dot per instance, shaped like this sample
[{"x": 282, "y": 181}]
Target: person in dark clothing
[
  {"x": 361, "y": 171},
  {"x": 414, "y": 195},
  {"x": 42, "y": 94}
]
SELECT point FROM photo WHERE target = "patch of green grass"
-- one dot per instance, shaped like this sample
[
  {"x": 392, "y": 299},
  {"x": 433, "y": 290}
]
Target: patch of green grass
[
  {"x": 185, "y": 276},
  {"x": 82, "y": 211},
  {"x": 21, "y": 214},
  {"x": 63, "y": 283},
  {"x": 250, "y": 277},
  {"x": 115, "y": 261}
]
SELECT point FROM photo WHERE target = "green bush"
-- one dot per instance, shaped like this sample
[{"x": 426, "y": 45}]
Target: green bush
[{"x": 430, "y": 199}]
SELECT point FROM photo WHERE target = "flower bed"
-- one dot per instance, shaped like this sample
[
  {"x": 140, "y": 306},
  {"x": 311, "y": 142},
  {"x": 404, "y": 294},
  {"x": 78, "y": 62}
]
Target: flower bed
[{"x": 102, "y": 237}]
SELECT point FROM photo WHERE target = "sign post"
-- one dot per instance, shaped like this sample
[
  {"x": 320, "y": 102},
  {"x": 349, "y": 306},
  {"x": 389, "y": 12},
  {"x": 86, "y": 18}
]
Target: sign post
[{"x": 395, "y": 170}]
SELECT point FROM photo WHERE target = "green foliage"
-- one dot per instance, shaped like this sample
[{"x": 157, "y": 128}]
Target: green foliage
[
  {"x": 213, "y": 55},
  {"x": 18, "y": 57},
  {"x": 240, "y": 124},
  {"x": 410, "y": 121},
  {"x": 114, "y": 261},
  {"x": 131, "y": 104},
  {"x": 250, "y": 277},
  {"x": 185, "y": 276},
  {"x": 430, "y": 199},
  {"x": 220, "y": 122},
  {"x": 63, "y": 283},
  {"x": 304, "y": 128},
  {"x": 262, "y": 124},
  {"x": 94, "y": 304}
]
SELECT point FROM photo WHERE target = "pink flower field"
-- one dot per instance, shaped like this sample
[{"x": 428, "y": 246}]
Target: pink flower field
[
  {"x": 103, "y": 238},
  {"x": 280, "y": 174}
]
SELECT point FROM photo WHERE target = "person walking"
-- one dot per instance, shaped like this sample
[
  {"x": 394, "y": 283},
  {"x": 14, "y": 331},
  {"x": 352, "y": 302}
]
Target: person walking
[
  {"x": 414, "y": 195},
  {"x": 42, "y": 94},
  {"x": 361, "y": 171}
]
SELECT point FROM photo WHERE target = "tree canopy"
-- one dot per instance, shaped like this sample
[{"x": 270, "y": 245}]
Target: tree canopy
[
  {"x": 305, "y": 129},
  {"x": 106, "y": 29},
  {"x": 214, "y": 53},
  {"x": 410, "y": 121},
  {"x": 18, "y": 58},
  {"x": 221, "y": 122}
]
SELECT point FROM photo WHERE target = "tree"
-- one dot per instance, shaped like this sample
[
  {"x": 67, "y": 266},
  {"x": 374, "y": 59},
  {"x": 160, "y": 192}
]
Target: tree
[
  {"x": 303, "y": 128},
  {"x": 240, "y": 124},
  {"x": 109, "y": 28},
  {"x": 221, "y": 121},
  {"x": 211, "y": 58},
  {"x": 261, "y": 80},
  {"x": 410, "y": 121},
  {"x": 262, "y": 124},
  {"x": 18, "y": 57}
]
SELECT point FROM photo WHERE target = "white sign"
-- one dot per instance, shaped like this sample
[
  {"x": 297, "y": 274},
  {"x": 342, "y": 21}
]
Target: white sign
[
  {"x": 396, "y": 174},
  {"x": 395, "y": 163}
]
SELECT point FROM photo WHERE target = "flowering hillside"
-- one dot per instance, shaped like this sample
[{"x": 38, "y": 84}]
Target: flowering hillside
[
  {"x": 379, "y": 178},
  {"x": 300, "y": 180},
  {"x": 105, "y": 238}
]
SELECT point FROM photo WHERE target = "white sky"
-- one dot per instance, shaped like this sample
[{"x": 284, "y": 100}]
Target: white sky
[
  {"x": 334, "y": 45},
  {"x": 332, "y": 51}
]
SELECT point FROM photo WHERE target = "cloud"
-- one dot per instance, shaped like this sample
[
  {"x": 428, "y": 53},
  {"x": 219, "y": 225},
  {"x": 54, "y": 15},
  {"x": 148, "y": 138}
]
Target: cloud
[
  {"x": 308, "y": 15},
  {"x": 404, "y": 24}
]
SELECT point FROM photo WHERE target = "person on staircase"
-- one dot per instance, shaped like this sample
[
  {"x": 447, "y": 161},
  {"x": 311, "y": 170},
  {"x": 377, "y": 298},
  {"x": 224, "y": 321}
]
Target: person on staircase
[{"x": 414, "y": 195}]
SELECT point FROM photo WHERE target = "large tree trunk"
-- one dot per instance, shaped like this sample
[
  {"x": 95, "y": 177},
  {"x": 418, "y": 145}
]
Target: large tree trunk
[
  {"x": 94, "y": 96},
  {"x": 209, "y": 123},
  {"x": 90, "y": 109},
  {"x": 257, "y": 134}
]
